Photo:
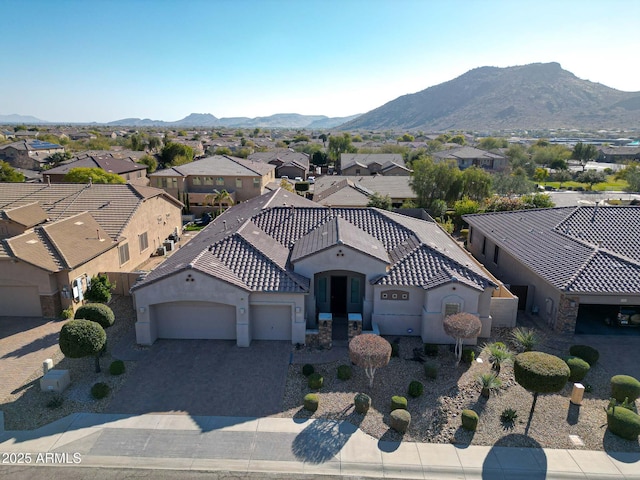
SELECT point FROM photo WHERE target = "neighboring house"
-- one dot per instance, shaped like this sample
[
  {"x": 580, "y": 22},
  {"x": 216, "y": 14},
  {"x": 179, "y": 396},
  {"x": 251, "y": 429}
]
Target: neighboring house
[
  {"x": 273, "y": 267},
  {"x": 288, "y": 162},
  {"x": 373, "y": 163},
  {"x": 618, "y": 154},
  {"x": 196, "y": 183},
  {"x": 196, "y": 145},
  {"x": 26, "y": 134},
  {"x": 128, "y": 169},
  {"x": 472, "y": 157},
  {"x": 354, "y": 191},
  {"x": 563, "y": 263},
  {"x": 82, "y": 136},
  {"x": 28, "y": 154},
  {"x": 54, "y": 238}
]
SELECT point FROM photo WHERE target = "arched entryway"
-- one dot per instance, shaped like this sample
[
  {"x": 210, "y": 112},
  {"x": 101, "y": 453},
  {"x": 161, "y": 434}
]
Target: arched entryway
[{"x": 339, "y": 292}]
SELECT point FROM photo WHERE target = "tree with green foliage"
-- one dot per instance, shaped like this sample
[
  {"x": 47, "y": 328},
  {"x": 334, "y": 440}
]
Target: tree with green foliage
[
  {"x": 96, "y": 312},
  {"x": 537, "y": 200},
  {"x": 219, "y": 199},
  {"x": 584, "y": 152},
  {"x": 174, "y": 154},
  {"x": 319, "y": 159},
  {"x": 459, "y": 139},
  {"x": 57, "y": 158},
  {"x": 492, "y": 143},
  {"x": 99, "y": 289},
  {"x": 515, "y": 183},
  {"x": 150, "y": 162},
  {"x": 541, "y": 174},
  {"x": 154, "y": 143},
  {"x": 93, "y": 175},
  {"x": 476, "y": 183},
  {"x": 407, "y": 137},
  {"x": 339, "y": 144},
  {"x": 631, "y": 174},
  {"x": 137, "y": 142},
  {"x": 9, "y": 174},
  {"x": 591, "y": 177},
  {"x": 433, "y": 181},
  {"x": 323, "y": 137},
  {"x": 466, "y": 206},
  {"x": 82, "y": 338},
  {"x": 547, "y": 155},
  {"x": 380, "y": 201},
  {"x": 562, "y": 176},
  {"x": 222, "y": 151}
]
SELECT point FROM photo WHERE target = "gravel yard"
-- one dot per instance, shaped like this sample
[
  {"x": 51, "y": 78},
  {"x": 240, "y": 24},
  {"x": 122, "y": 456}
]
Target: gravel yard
[{"x": 436, "y": 414}]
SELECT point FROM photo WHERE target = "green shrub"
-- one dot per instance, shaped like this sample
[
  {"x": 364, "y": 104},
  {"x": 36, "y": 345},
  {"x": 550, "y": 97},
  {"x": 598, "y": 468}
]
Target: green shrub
[
  {"x": 525, "y": 338},
  {"x": 468, "y": 355},
  {"x": 100, "y": 390},
  {"x": 100, "y": 289},
  {"x": 625, "y": 386},
  {"x": 81, "y": 338},
  {"x": 395, "y": 349},
  {"x": 585, "y": 352},
  {"x": 301, "y": 186},
  {"x": 344, "y": 372},
  {"x": 578, "y": 368},
  {"x": 400, "y": 420},
  {"x": 362, "y": 402},
  {"x": 307, "y": 369},
  {"x": 67, "y": 313},
  {"x": 431, "y": 370},
  {"x": 311, "y": 401},
  {"x": 469, "y": 420},
  {"x": 398, "y": 402},
  {"x": 55, "y": 401},
  {"x": 508, "y": 415},
  {"x": 116, "y": 367},
  {"x": 96, "y": 312},
  {"x": 540, "y": 372},
  {"x": 431, "y": 349},
  {"x": 415, "y": 389},
  {"x": 489, "y": 382},
  {"x": 315, "y": 381},
  {"x": 623, "y": 422}
]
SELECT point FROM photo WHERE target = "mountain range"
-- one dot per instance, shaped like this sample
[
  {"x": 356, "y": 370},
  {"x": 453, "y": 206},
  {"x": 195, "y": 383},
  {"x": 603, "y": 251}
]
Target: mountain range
[{"x": 535, "y": 96}]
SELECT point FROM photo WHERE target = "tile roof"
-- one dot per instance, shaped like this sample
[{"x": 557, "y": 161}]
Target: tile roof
[
  {"x": 394, "y": 186},
  {"x": 369, "y": 158},
  {"x": 220, "y": 165},
  {"x": 26, "y": 215},
  {"x": 254, "y": 244},
  {"x": 285, "y": 155},
  {"x": 577, "y": 249},
  {"x": 105, "y": 162},
  {"x": 465, "y": 152},
  {"x": 35, "y": 248}
]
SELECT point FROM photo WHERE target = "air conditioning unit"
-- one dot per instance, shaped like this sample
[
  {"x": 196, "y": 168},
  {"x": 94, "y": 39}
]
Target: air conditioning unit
[{"x": 168, "y": 244}]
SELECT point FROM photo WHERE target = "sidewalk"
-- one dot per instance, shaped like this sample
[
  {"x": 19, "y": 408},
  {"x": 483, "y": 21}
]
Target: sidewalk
[{"x": 294, "y": 446}]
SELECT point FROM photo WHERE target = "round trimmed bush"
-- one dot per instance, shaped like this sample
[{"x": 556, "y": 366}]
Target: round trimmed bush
[
  {"x": 540, "y": 372},
  {"x": 344, "y": 372},
  {"x": 307, "y": 369},
  {"x": 578, "y": 368},
  {"x": 362, "y": 402},
  {"x": 623, "y": 422},
  {"x": 469, "y": 420},
  {"x": 400, "y": 420},
  {"x": 311, "y": 401},
  {"x": 96, "y": 312},
  {"x": 315, "y": 381},
  {"x": 100, "y": 390},
  {"x": 431, "y": 370},
  {"x": 398, "y": 402},
  {"x": 415, "y": 389},
  {"x": 585, "y": 352},
  {"x": 81, "y": 338},
  {"x": 116, "y": 367},
  {"x": 625, "y": 386}
]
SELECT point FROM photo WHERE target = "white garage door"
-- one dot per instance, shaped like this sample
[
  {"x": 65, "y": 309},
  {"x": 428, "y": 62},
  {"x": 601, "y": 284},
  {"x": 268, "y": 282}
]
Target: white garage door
[
  {"x": 195, "y": 320},
  {"x": 270, "y": 322},
  {"x": 20, "y": 302}
]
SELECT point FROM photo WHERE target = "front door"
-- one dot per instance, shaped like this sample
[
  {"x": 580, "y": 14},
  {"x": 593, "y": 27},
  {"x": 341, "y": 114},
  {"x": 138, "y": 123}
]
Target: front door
[{"x": 339, "y": 295}]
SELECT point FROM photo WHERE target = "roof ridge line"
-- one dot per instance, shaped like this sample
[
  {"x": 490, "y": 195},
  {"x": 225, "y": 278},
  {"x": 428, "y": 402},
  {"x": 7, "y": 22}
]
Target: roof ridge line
[
  {"x": 580, "y": 269},
  {"x": 235, "y": 160},
  {"x": 41, "y": 232},
  {"x": 453, "y": 260}
]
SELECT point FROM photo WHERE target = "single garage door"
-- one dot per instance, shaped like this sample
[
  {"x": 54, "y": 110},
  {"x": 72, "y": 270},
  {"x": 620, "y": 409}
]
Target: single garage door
[
  {"x": 20, "y": 301},
  {"x": 195, "y": 320},
  {"x": 270, "y": 322}
]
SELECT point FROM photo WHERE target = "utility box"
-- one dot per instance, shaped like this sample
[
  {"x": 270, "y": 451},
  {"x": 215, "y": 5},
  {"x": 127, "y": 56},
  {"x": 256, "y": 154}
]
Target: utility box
[
  {"x": 577, "y": 394},
  {"x": 55, "y": 381}
]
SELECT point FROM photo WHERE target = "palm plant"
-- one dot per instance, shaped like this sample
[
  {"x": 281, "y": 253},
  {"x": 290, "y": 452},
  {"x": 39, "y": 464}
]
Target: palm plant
[
  {"x": 219, "y": 199},
  {"x": 489, "y": 382},
  {"x": 525, "y": 338},
  {"x": 498, "y": 354}
]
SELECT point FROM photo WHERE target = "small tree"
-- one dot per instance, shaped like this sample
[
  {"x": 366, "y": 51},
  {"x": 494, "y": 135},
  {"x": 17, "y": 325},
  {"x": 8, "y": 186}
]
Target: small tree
[
  {"x": 370, "y": 352},
  {"x": 380, "y": 201},
  {"x": 82, "y": 338},
  {"x": 100, "y": 289},
  {"x": 460, "y": 326}
]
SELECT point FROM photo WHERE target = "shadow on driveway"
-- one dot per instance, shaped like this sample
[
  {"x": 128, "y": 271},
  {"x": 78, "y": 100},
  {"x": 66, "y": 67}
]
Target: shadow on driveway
[{"x": 207, "y": 377}]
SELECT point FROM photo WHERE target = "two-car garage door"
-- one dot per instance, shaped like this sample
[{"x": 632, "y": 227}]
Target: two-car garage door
[{"x": 195, "y": 320}]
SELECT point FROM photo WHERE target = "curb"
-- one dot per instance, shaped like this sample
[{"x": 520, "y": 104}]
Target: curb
[{"x": 1, "y": 421}]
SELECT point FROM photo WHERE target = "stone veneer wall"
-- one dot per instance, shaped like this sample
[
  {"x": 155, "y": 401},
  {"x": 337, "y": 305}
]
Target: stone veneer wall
[
  {"x": 567, "y": 314},
  {"x": 355, "y": 329},
  {"x": 325, "y": 331},
  {"x": 51, "y": 306}
]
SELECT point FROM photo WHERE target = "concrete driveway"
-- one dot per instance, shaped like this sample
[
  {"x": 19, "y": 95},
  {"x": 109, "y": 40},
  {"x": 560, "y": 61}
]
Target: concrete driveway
[
  {"x": 25, "y": 342},
  {"x": 206, "y": 377}
]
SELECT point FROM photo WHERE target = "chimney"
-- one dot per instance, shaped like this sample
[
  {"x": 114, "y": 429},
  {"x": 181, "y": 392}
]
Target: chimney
[
  {"x": 224, "y": 225},
  {"x": 98, "y": 231},
  {"x": 595, "y": 210},
  {"x": 90, "y": 181},
  {"x": 48, "y": 180}
]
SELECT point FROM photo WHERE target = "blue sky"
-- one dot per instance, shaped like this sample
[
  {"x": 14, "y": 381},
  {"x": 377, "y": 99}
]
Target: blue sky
[{"x": 103, "y": 60}]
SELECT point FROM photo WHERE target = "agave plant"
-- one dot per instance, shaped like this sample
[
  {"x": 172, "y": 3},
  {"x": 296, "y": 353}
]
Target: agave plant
[
  {"x": 498, "y": 354},
  {"x": 489, "y": 383},
  {"x": 525, "y": 338}
]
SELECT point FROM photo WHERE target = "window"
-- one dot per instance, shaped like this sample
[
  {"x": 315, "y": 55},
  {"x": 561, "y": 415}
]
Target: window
[
  {"x": 355, "y": 290},
  {"x": 496, "y": 252},
  {"x": 470, "y": 235},
  {"x": 208, "y": 180},
  {"x": 484, "y": 245},
  {"x": 159, "y": 182},
  {"x": 197, "y": 181},
  {"x": 143, "y": 242},
  {"x": 451, "y": 308},
  {"x": 219, "y": 181},
  {"x": 172, "y": 183},
  {"x": 123, "y": 252},
  {"x": 322, "y": 289},
  {"x": 256, "y": 183},
  {"x": 238, "y": 183}
]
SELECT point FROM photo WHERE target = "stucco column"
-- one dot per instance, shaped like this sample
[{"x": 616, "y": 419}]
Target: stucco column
[
  {"x": 243, "y": 335},
  {"x": 145, "y": 332}
]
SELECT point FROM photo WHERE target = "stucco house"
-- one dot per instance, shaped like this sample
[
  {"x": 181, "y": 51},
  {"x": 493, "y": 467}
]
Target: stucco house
[
  {"x": 54, "y": 238},
  {"x": 372, "y": 164},
  {"x": 288, "y": 162},
  {"x": 568, "y": 265},
  {"x": 280, "y": 267},
  {"x": 196, "y": 183},
  {"x": 28, "y": 154},
  {"x": 128, "y": 169},
  {"x": 469, "y": 156},
  {"x": 355, "y": 191}
]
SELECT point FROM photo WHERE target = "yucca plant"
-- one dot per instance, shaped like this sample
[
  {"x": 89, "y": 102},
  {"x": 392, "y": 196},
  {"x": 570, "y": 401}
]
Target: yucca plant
[
  {"x": 498, "y": 354},
  {"x": 489, "y": 383},
  {"x": 525, "y": 338}
]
